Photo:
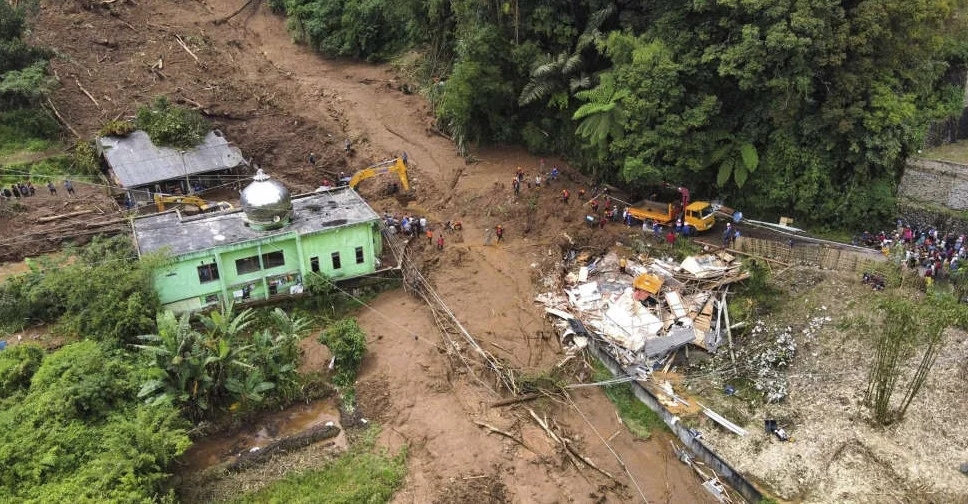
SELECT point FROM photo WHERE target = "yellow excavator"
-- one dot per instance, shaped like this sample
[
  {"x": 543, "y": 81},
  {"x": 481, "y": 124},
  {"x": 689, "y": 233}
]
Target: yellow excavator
[
  {"x": 203, "y": 206},
  {"x": 398, "y": 166}
]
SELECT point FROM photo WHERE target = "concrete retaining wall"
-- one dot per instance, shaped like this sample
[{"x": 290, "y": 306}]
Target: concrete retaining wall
[
  {"x": 939, "y": 182},
  {"x": 703, "y": 452}
]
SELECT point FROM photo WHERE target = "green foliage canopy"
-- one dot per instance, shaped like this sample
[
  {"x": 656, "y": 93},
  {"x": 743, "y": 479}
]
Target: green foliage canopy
[
  {"x": 171, "y": 125},
  {"x": 347, "y": 341},
  {"x": 17, "y": 366},
  {"x": 202, "y": 372},
  {"x": 78, "y": 433},
  {"x": 102, "y": 291}
]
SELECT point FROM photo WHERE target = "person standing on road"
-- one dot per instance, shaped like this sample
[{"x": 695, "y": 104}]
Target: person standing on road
[
  {"x": 312, "y": 159},
  {"x": 51, "y": 188},
  {"x": 564, "y": 196},
  {"x": 520, "y": 174},
  {"x": 69, "y": 187},
  {"x": 727, "y": 236},
  {"x": 554, "y": 174},
  {"x": 440, "y": 241},
  {"x": 516, "y": 185},
  {"x": 499, "y": 231}
]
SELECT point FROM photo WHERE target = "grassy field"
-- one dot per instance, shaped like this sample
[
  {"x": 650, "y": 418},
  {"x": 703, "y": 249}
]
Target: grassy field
[
  {"x": 956, "y": 152},
  {"x": 364, "y": 473}
]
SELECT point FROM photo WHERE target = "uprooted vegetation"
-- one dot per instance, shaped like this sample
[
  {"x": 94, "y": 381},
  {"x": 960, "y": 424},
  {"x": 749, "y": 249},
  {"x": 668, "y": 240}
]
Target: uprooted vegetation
[{"x": 170, "y": 125}]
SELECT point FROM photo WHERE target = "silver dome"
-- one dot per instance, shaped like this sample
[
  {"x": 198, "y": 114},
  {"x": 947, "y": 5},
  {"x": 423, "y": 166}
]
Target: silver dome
[{"x": 266, "y": 203}]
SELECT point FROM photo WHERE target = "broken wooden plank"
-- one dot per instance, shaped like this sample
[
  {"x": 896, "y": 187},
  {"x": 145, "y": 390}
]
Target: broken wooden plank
[
  {"x": 729, "y": 333},
  {"x": 185, "y": 47},
  {"x": 721, "y": 420},
  {"x": 675, "y": 304}
]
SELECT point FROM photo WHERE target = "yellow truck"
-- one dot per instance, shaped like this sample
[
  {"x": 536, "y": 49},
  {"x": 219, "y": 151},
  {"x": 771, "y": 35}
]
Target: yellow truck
[{"x": 697, "y": 214}]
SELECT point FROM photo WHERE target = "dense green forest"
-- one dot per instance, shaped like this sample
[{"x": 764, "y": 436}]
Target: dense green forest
[{"x": 806, "y": 107}]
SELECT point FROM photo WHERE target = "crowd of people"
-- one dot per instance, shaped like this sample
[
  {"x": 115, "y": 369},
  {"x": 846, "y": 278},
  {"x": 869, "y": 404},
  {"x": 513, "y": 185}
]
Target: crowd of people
[
  {"x": 26, "y": 189},
  {"x": 932, "y": 253}
]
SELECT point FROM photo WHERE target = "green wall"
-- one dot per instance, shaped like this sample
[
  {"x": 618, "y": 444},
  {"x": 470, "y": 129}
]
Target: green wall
[{"x": 180, "y": 289}]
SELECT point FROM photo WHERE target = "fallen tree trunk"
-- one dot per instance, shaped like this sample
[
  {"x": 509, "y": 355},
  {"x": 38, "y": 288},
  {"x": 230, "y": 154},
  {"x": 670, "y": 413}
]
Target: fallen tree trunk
[
  {"x": 63, "y": 216},
  {"x": 515, "y": 400},
  {"x": 291, "y": 443}
]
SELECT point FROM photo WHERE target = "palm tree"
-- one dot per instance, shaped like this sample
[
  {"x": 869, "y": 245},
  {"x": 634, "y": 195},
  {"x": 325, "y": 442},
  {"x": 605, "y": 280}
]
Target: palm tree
[
  {"x": 602, "y": 116},
  {"x": 556, "y": 76}
]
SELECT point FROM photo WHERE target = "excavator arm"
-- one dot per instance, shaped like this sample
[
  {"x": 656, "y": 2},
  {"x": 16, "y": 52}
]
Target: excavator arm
[
  {"x": 203, "y": 206},
  {"x": 393, "y": 166}
]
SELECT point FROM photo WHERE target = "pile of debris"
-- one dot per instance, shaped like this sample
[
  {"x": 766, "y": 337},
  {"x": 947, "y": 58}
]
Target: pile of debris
[{"x": 644, "y": 309}]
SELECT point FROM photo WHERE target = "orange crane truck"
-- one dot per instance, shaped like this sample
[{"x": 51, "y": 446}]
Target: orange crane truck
[{"x": 697, "y": 214}]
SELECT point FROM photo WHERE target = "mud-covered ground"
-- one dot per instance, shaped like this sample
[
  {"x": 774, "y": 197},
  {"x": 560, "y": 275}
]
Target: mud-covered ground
[{"x": 279, "y": 102}]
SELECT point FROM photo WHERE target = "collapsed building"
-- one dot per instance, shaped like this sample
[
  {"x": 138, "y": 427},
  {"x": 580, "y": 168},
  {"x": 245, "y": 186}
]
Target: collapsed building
[{"x": 645, "y": 309}]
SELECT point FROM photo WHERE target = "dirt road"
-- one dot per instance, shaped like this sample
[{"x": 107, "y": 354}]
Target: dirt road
[{"x": 280, "y": 102}]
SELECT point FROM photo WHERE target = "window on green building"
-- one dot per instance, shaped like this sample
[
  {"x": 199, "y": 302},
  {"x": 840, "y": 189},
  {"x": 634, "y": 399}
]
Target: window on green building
[
  {"x": 247, "y": 265},
  {"x": 314, "y": 264},
  {"x": 359, "y": 255},
  {"x": 207, "y": 273},
  {"x": 273, "y": 259},
  {"x": 336, "y": 262}
]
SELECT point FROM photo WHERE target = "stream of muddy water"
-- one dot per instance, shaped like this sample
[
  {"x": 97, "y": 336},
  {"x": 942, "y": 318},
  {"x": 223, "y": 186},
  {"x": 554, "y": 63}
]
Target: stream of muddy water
[{"x": 263, "y": 430}]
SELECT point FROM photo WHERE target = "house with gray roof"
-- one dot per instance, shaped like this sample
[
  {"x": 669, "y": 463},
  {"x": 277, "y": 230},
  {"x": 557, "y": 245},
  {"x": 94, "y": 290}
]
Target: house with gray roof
[{"x": 141, "y": 168}]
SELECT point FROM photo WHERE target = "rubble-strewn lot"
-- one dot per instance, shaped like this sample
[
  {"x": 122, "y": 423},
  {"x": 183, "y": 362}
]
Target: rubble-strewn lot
[
  {"x": 837, "y": 455},
  {"x": 804, "y": 366}
]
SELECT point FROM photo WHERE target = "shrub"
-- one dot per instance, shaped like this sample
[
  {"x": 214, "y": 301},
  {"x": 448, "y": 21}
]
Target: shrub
[
  {"x": 171, "y": 125},
  {"x": 81, "y": 382},
  {"x": 17, "y": 366},
  {"x": 116, "y": 128},
  {"x": 347, "y": 341},
  {"x": 104, "y": 294},
  {"x": 86, "y": 159}
]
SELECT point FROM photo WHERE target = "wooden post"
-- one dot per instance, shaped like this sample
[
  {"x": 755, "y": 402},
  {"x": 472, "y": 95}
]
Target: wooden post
[{"x": 729, "y": 333}]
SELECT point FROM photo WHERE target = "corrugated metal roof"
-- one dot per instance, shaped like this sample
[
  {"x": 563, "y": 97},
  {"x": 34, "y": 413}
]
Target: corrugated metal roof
[
  {"x": 136, "y": 161},
  {"x": 311, "y": 213}
]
